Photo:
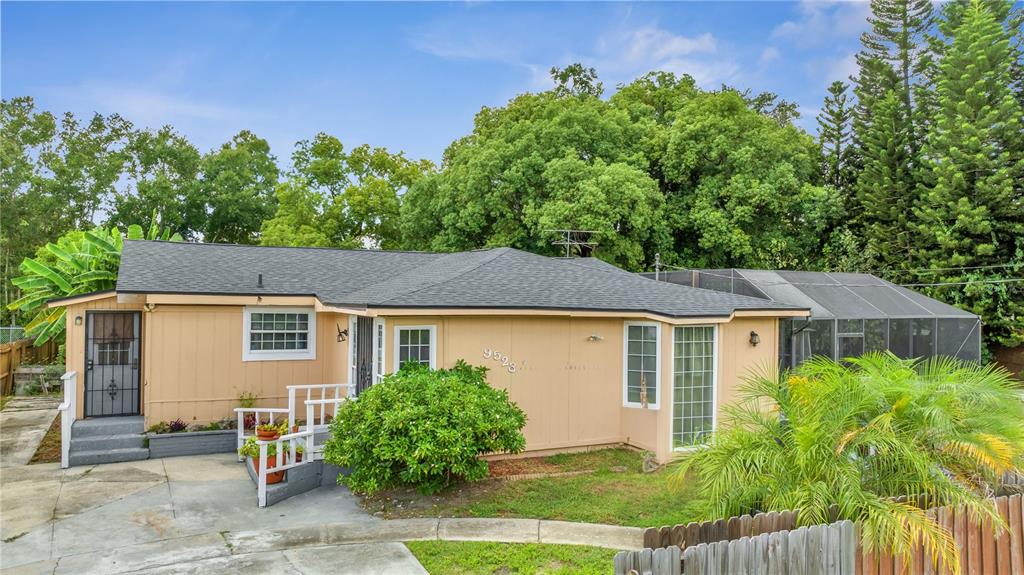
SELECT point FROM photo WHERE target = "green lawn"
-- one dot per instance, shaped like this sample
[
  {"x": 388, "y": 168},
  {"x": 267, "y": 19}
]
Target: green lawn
[
  {"x": 616, "y": 493},
  {"x": 471, "y": 558}
]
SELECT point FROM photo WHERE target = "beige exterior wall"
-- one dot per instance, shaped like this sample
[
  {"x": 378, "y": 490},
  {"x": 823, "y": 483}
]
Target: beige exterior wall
[
  {"x": 569, "y": 385},
  {"x": 192, "y": 364},
  {"x": 74, "y": 343}
]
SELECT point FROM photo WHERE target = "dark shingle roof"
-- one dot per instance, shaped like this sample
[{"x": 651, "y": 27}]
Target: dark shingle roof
[{"x": 496, "y": 278}]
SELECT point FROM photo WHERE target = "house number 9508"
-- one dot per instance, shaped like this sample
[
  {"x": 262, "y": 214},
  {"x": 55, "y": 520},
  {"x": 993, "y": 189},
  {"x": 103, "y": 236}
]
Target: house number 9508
[{"x": 502, "y": 359}]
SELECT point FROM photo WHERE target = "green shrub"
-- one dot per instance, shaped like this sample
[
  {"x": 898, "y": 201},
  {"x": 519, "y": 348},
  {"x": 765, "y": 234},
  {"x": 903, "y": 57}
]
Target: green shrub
[{"x": 424, "y": 428}]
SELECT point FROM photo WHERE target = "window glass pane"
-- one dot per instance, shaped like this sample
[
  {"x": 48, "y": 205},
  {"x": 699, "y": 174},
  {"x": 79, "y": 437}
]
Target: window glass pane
[
  {"x": 403, "y": 336},
  {"x": 641, "y": 363},
  {"x": 693, "y": 386}
]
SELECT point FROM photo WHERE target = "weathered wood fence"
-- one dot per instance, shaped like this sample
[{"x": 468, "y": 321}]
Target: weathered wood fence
[
  {"x": 819, "y": 549},
  {"x": 981, "y": 552},
  {"x": 18, "y": 352}
]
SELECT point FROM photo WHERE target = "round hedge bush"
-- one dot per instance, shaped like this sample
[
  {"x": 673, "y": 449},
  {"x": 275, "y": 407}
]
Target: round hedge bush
[{"x": 423, "y": 427}]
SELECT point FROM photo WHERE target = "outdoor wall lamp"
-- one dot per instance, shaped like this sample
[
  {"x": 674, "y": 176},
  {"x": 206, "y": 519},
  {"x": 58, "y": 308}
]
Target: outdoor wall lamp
[
  {"x": 754, "y": 338},
  {"x": 78, "y": 320},
  {"x": 342, "y": 333},
  {"x": 594, "y": 337}
]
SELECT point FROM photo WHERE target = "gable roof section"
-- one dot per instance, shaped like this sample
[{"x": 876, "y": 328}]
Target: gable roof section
[{"x": 500, "y": 278}]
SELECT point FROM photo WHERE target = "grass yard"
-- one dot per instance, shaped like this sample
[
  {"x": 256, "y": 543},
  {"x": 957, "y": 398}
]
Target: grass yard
[
  {"x": 49, "y": 448},
  {"x": 3, "y": 401},
  {"x": 614, "y": 491},
  {"x": 478, "y": 558}
]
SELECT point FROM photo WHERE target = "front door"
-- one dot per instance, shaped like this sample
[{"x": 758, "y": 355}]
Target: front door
[
  {"x": 364, "y": 353},
  {"x": 112, "y": 346}
]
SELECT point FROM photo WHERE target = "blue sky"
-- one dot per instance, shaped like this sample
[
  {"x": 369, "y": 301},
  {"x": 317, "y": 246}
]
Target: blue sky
[{"x": 405, "y": 76}]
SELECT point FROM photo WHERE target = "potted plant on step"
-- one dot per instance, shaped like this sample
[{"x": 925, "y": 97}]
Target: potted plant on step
[
  {"x": 251, "y": 449},
  {"x": 268, "y": 431}
]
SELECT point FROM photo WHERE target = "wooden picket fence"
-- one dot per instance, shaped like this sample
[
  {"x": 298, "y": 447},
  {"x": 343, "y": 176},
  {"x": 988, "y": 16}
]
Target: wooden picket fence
[
  {"x": 819, "y": 549},
  {"x": 982, "y": 553},
  {"x": 18, "y": 352}
]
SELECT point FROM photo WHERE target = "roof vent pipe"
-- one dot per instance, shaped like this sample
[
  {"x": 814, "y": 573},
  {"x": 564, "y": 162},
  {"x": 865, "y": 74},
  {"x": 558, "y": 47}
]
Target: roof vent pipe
[{"x": 259, "y": 280}]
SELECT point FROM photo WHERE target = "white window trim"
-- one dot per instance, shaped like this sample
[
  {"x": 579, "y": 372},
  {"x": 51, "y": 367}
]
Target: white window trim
[
  {"x": 714, "y": 390},
  {"x": 380, "y": 328},
  {"x": 278, "y": 354},
  {"x": 433, "y": 344},
  {"x": 625, "y": 365}
]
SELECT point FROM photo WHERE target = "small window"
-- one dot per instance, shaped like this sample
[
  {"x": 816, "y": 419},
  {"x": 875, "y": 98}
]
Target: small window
[
  {"x": 279, "y": 333},
  {"x": 642, "y": 370},
  {"x": 113, "y": 353},
  {"x": 378, "y": 336},
  {"x": 414, "y": 344}
]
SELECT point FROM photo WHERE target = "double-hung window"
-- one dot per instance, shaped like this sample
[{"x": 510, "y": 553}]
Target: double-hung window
[
  {"x": 415, "y": 344},
  {"x": 642, "y": 371},
  {"x": 275, "y": 333}
]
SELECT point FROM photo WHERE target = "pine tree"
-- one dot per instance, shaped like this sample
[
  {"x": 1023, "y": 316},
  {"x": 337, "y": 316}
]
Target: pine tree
[
  {"x": 885, "y": 188},
  {"x": 834, "y": 132},
  {"x": 971, "y": 211}
]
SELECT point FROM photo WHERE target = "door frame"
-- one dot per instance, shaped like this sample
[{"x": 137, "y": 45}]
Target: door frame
[{"x": 88, "y": 373}]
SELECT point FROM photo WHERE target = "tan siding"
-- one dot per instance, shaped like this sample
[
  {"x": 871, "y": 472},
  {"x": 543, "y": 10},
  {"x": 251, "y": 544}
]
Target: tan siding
[
  {"x": 195, "y": 369},
  {"x": 569, "y": 386},
  {"x": 74, "y": 346}
]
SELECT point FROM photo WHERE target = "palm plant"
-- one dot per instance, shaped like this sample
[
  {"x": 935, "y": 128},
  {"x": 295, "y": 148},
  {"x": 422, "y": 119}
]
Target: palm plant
[
  {"x": 876, "y": 441},
  {"x": 78, "y": 263}
]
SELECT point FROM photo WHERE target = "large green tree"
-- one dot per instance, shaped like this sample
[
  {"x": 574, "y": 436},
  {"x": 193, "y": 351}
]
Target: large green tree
[
  {"x": 971, "y": 212},
  {"x": 835, "y": 136},
  {"x": 162, "y": 177},
  {"x": 660, "y": 167},
  {"x": 340, "y": 198},
  {"x": 237, "y": 184},
  {"x": 744, "y": 188},
  {"x": 23, "y": 133}
]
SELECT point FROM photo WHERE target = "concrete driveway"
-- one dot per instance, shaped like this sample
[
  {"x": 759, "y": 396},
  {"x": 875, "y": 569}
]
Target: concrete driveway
[
  {"x": 174, "y": 515},
  {"x": 170, "y": 515}
]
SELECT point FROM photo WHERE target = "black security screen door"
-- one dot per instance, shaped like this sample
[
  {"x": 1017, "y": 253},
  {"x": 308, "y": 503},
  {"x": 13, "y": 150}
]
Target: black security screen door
[
  {"x": 112, "y": 342},
  {"x": 364, "y": 353}
]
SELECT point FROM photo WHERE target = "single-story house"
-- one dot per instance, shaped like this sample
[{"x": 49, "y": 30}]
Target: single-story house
[{"x": 595, "y": 355}]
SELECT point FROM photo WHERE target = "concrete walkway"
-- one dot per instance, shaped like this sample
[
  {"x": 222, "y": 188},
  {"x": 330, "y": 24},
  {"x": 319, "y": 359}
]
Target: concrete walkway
[
  {"x": 199, "y": 515},
  {"x": 23, "y": 423}
]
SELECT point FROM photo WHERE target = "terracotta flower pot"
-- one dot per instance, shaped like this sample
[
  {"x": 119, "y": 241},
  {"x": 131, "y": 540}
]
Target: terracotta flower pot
[
  {"x": 272, "y": 476},
  {"x": 267, "y": 435}
]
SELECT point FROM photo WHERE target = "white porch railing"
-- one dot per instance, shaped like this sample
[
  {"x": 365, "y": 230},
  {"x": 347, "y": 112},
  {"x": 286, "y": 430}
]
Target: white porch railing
[
  {"x": 320, "y": 401},
  {"x": 68, "y": 410}
]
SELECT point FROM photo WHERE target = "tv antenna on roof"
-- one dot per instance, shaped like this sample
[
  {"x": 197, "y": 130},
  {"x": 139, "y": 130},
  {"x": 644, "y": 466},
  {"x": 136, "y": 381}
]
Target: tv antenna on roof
[{"x": 575, "y": 240}]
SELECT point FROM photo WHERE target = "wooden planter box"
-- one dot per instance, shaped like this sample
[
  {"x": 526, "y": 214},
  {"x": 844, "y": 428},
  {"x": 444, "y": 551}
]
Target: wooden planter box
[{"x": 192, "y": 443}]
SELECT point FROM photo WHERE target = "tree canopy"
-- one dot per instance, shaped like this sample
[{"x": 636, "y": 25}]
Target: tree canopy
[{"x": 915, "y": 173}]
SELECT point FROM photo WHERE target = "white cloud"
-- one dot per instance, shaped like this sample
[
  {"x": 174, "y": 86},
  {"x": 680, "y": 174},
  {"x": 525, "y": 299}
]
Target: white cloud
[
  {"x": 841, "y": 69},
  {"x": 619, "y": 55},
  {"x": 623, "y": 54},
  {"x": 769, "y": 54},
  {"x": 821, "y": 22}
]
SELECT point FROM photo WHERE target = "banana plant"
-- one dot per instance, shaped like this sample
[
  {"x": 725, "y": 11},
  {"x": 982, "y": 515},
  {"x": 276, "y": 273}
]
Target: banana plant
[{"x": 78, "y": 263}]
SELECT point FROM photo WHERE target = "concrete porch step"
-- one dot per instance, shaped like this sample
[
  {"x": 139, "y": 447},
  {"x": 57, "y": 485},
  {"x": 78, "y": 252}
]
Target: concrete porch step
[
  {"x": 106, "y": 442},
  {"x": 132, "y": 425},
  {"x": 108, "y": 456}
]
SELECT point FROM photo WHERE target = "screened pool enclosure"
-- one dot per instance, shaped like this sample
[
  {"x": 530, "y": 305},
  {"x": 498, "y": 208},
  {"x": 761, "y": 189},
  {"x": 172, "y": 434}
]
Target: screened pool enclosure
[{"x": 851, "y": 313}]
